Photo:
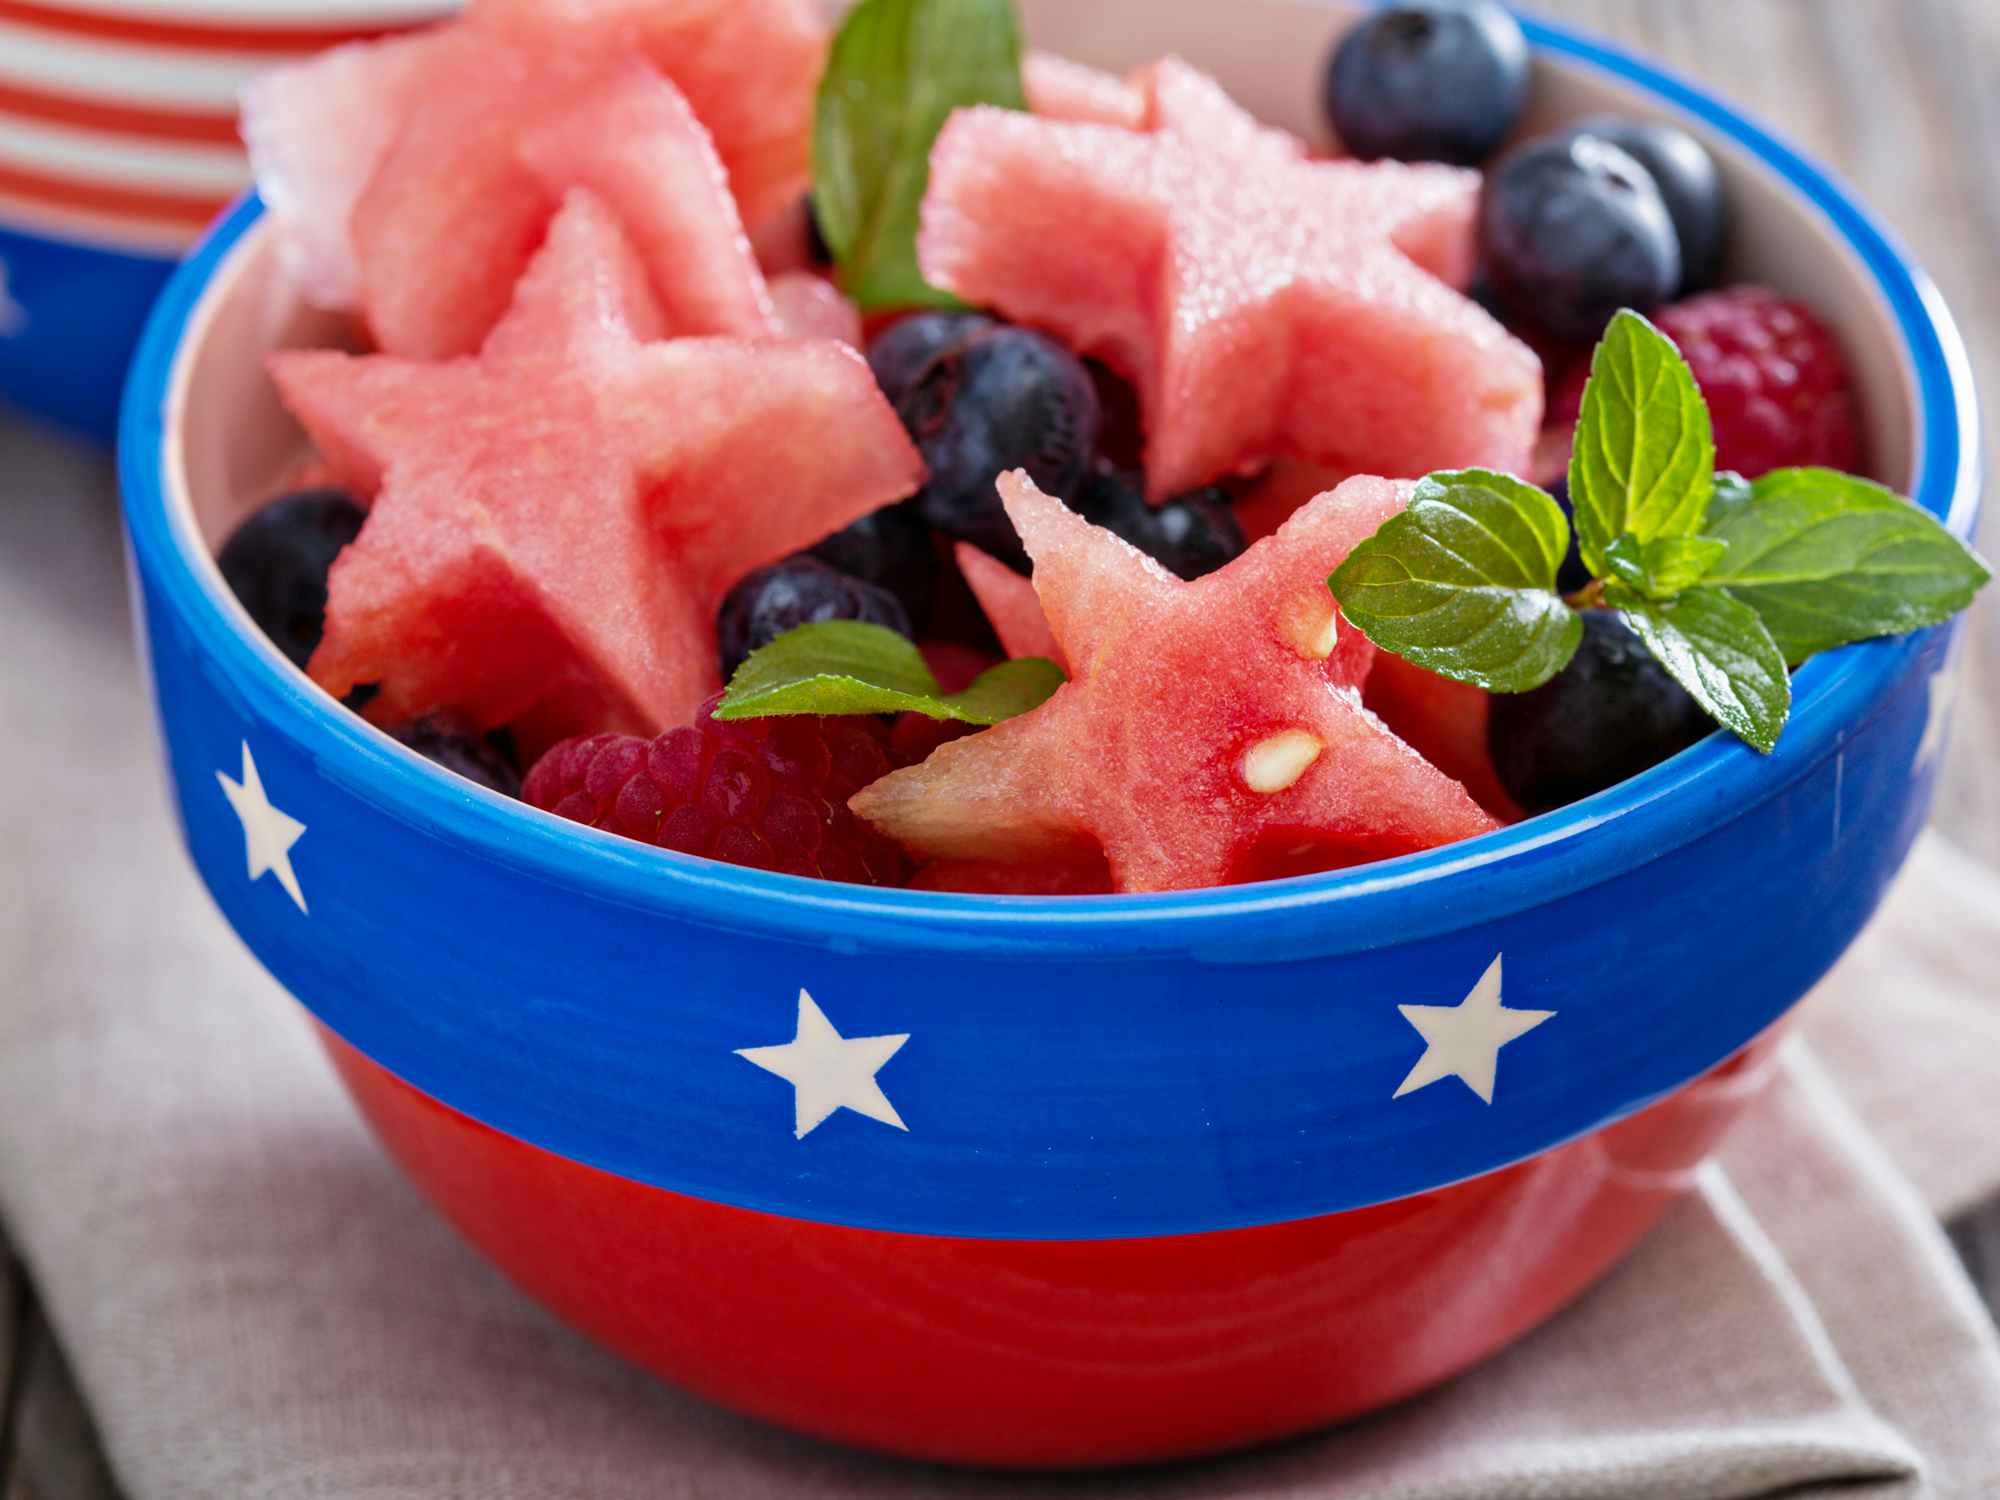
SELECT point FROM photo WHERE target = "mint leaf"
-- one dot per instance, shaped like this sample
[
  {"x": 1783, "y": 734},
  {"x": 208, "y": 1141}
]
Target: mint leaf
[
  {"x": 1463, "y": 583},
  {"x": 1663, "y": 567},
  {"x": 847, "y": 667},
  {"x": 1644, "y": 461},
  {"x": 897, "y": 69},
  {"x": 1732, "y": 493},
  {"x": 1825, "y": 559},
  {"x": 1717, "y": 649}
]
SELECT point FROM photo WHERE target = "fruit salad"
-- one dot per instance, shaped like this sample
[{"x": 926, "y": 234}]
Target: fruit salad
[{"x": 888, "y": 455}]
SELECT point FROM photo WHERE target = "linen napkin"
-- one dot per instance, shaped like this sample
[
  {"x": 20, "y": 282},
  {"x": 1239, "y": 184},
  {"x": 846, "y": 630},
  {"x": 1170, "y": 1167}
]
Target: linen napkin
[{"x": 257, "y": 1305}]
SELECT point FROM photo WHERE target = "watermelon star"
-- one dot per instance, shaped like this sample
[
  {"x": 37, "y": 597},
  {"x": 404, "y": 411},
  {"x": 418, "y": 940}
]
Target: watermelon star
[
  {"x": 1263, "y": 306},
  {"x": 557, "y": 518},
  {"x": 1212, "y": 732}
]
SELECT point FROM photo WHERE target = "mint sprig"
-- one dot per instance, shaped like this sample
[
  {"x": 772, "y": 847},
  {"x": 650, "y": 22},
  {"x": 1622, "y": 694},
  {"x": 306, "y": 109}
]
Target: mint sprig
[
  {"x": 1728, "y": 583},
  {"x": 1463, "y": 581},
  {"x": 848, "y": 667},
  {"x": 896, "y": 71}
]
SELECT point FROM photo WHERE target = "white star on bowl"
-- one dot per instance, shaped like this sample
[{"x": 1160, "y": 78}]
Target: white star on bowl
[
  {"x": 1464, "y": 1040},
  {"x": 828, "y": 1071},
  {"x": 268, "y": 834}
]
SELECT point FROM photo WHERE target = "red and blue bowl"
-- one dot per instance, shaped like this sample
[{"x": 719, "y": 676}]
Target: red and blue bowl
[
  {"x": 118, "y": 146},
  {"x": 1144, "y": 1176}
]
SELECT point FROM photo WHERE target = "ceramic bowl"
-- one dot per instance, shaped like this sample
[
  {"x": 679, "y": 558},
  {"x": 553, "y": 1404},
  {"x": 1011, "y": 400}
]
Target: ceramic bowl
[
  {"x": 118, "y": 146},
  {"x": 1103, "y": 1179}
]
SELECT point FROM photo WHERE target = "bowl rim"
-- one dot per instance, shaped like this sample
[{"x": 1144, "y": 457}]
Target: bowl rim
[{"x": 1626, "y": 826}]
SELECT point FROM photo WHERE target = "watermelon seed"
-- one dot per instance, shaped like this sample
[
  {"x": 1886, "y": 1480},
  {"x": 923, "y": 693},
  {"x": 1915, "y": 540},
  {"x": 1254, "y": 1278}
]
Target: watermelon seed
[{"x": 1271, "y": 765}]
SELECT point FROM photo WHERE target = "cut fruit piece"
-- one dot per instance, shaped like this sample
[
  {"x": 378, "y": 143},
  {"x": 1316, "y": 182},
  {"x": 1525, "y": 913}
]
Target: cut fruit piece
[
  {"x": 1213, "y": 732},
  {"x": 1276, "y": 496},
  {"x": 1262, "y": 306},
  {"x": 1059, "y": 89},
  {"x": 316, "y": 131},
  {"x": 557, "y": 518},
  {"x": 1444, "y": 722},
  {"x": 635, "y": 143},
  {"x": 1087, "y": 875},
  {"x": 393, "y": 165},
  {"x": 808, "y": 306},
  {"x": 1185, "y": 101},
  {"x": 1011, "y": 605}
]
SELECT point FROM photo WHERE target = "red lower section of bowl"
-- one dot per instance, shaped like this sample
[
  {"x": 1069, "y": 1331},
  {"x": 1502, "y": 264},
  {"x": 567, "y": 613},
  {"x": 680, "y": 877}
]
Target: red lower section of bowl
[{"x": 1056, "y": 1353}]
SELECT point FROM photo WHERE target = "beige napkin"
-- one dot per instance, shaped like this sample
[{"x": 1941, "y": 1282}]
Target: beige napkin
[{"x": 257, "y": 1306}]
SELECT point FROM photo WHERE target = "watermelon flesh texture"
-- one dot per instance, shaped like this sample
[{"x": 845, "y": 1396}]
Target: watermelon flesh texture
[
  {"x": 1212, "y": 732},
  {"x": 1262, "y": 306},
  {"x": 395, "y": 162},
  {"x": 1058, "y": 88},
  {"x": 555, "y": 520},
  {"x": 316, "y": 131},
  {"x": 1443, "y": 721},
  {"x": 1010, "y": 602},
  {"x": 808, "y": 306}
]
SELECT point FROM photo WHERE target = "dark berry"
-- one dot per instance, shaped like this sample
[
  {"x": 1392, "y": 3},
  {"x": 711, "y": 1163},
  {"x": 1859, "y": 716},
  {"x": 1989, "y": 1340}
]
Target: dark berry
[
  {"x": 277, "y": 561},
  {"x": 476, "y": 758},
  {"x": 769, "y": 793},
  {"x": 1004, "y": 399},
  {"x": 1611, "y": 713},
  {"x": 901, "y": 353},
  {"x": 1190, "y": 536},
  {"x": 1688, "y": 180},
  {"x": 1571, "y": 229},
  {"x": 1779, "y": 389},
  {"x": 1444, "y": 81},
  {"x": 890, "y": 548},
  {"x": 1572, "y": 575},
  {"x": 798, "y": 591},
  {"x": 818, "y": 251}
]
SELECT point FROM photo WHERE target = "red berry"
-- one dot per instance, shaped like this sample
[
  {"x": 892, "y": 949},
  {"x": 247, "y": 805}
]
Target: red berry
[
  {"x": 770, "y": 793},
  {"x": 1778, "y": 386}
]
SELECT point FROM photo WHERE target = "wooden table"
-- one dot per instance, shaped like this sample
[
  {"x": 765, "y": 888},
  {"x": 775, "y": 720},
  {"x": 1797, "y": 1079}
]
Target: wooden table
[{"x": 1897, "y": 94}]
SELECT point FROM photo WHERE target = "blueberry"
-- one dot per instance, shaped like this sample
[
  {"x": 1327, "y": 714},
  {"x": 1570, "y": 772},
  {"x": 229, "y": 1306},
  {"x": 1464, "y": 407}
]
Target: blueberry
[
  {"x": 902, "y": 352},
  {"x": 818, "y": 251},
  {"x": 1190, "y": 536},
  {"x": 471, "y": 756},
  {"x": 890, "y": 548},
  {"x": 1003, "y": 399},
  {"x": 276, "y": 563},
  {"x": 1571, "y": 229},
  {"x": 1688, "y": 180},
  {"x": 800, "y": 590},
  {"x": 1611, "y": 713},
  {"x": 1444, "y": 81},
  {"x": 1572, "y": 575}
]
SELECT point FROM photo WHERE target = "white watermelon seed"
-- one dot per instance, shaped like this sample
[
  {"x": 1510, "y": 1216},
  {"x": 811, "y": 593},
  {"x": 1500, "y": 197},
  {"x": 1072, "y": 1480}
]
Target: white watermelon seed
[{"x": 1273, "y": 764}]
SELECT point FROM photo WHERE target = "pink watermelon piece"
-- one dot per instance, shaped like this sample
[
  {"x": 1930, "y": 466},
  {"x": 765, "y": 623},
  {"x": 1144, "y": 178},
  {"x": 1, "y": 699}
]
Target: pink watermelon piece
[
  {"x": 1212, "y": 731},
  {"x": 1085, "y": 875},
  {"x": 1061, "y": 89},
  {"x": 555, "y": 519},
  {"x": 393, "y": 164},
  {"x": 1278, "y": 493},
  {"x": 1182, "y": 100},
  {"x": 635, "y": 143},
  {"x": 808, "y": 306},
  {"x": 1443, "y": 721},
  {"x": 1012, "y": 606},
  {"x": 1261, "y": 306},
  {"x": 316, "y": 131}
]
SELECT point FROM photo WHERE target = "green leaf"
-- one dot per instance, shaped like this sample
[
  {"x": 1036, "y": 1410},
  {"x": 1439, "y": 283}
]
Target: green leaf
[
  {"x": 897, "y": 69},
  {"x": 1644, "y": 461},
  {"x": 1717, "y": 649},
  {"x": 847, "y": 667},
  {"x": 1732, "y": 493},
  {"x": 1663, "y": 567},
  {"x": 1825, "y": 559},
  {"x": 1463, "y": 583}
]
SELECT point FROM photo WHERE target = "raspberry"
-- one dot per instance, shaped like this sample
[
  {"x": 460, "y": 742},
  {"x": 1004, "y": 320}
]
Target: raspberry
[
  {"x": 769, "y": 793},
  {"x": 1778, "y": 386}
]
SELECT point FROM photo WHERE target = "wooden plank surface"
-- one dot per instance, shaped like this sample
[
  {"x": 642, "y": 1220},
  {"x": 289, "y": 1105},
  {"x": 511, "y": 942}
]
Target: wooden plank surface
[{"x": 1898, "y": 95}]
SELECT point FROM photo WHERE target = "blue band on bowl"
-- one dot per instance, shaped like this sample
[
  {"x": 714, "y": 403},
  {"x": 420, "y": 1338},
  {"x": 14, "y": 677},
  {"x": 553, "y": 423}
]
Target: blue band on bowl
[{"x": 1035, "y": 1068}]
